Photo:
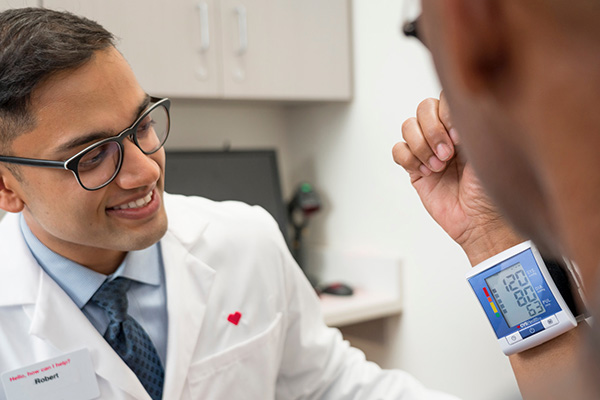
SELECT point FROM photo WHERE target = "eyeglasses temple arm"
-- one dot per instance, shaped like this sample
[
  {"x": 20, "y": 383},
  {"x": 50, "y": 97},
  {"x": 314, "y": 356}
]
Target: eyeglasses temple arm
[{"x": 33, "y": 162}]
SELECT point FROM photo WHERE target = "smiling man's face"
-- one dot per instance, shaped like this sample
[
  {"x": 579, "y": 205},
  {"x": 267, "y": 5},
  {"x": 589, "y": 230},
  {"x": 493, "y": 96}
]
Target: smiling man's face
[{"x": 89, "y": 227}]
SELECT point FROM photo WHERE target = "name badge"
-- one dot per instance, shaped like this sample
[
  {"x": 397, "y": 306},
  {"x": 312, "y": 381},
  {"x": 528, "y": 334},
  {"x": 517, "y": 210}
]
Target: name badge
[{"x": 67, "y": 377}]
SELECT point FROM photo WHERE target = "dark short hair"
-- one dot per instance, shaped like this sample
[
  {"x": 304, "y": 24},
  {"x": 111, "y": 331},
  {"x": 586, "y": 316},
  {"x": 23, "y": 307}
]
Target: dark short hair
[{"x": 36, "y": 43}]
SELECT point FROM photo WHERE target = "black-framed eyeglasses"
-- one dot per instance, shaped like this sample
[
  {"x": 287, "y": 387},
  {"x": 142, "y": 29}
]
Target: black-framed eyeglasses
[
  {"x": 411, "y": 29},
  {"x": 98, "y": 164}
]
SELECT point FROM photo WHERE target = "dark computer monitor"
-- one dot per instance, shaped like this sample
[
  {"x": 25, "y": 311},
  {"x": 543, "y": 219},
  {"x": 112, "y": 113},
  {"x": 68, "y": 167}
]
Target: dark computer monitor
[{"x": 248, "y": 176}]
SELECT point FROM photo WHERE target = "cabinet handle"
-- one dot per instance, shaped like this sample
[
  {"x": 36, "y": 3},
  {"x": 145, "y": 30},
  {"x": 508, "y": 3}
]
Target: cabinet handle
[
  {"x": 202, "y": 8},
  {"x": 242, "y": 29}
]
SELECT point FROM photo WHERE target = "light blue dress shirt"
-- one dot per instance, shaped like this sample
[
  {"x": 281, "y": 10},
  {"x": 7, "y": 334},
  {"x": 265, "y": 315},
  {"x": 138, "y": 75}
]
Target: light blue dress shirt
[{"x": 147, "y": 294}]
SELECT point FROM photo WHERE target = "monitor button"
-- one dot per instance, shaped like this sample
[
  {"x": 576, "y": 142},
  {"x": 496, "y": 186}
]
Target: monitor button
[
  {"x": 550, "y": 321},
  {"x": 531, "y": 330},
  {"x": 514, "y": 338}
]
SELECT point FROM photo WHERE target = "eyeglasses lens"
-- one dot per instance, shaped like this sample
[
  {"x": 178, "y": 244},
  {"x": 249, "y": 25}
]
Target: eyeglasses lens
[
  {"x": 152, "y": 130},
  {"x": 99, "y": 165}
]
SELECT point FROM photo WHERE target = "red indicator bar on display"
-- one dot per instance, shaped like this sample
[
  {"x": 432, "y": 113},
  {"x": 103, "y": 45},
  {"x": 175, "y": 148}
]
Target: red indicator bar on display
[{"x": 486, "y": 292}]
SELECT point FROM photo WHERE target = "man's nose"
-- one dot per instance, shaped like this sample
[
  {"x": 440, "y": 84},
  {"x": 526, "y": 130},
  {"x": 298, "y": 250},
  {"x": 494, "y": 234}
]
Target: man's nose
[{"x": 138, "y": 169}]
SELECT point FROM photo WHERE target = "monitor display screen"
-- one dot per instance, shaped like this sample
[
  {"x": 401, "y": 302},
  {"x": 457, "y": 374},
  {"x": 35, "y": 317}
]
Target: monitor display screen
[
  {"x": 515, "y": 295},
  {"x": 248, "y": 176}
]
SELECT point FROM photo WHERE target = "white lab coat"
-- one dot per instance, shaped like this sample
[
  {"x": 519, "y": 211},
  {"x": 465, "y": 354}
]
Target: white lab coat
[{"x": 219, "y": 258}]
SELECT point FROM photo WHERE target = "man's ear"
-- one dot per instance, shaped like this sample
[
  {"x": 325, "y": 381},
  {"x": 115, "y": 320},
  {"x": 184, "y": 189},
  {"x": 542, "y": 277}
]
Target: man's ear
[
  {"x": 10, "y": 200},
  {"x": 476, "y": 37}
]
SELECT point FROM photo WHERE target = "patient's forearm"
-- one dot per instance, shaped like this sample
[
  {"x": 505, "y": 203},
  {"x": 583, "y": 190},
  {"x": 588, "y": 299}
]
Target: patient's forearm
[{"x": 557, "y": 369}]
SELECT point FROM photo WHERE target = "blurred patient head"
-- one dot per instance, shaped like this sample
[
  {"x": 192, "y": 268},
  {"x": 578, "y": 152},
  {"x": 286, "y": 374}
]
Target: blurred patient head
[{"x": 522, "y": 79}]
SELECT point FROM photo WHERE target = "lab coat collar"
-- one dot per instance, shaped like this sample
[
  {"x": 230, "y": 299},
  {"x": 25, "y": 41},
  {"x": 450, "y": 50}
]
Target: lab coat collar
[
  {"x": 19, "y": 271},
  {"x": 189, "y": 282}
]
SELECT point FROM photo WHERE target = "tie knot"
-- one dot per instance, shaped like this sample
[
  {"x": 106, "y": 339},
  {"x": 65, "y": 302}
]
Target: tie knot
[{"x": 112, "y": 298}]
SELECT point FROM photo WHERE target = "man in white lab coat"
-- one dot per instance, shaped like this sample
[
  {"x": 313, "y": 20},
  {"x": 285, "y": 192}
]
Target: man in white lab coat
[{"x": 224, "y": 311}]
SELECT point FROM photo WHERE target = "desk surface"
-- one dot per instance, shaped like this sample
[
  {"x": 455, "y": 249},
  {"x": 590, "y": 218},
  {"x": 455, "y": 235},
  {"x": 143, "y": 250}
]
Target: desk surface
[
  {"x": 376, "y": 281},
  {"x": 363, "y": 305}
]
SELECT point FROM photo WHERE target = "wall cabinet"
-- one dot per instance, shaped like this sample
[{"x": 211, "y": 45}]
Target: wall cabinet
[{"x": 232, "y": 49}]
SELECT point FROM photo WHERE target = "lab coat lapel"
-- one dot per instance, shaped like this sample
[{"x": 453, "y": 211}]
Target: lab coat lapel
[
  {"x": 189, "y": 281},
  {"x": 60, "y": 322},
  {"x": 19, "y": 272}
]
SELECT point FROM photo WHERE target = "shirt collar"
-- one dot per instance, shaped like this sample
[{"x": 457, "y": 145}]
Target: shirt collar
[
  {"x": 142, "y": 266},
  {"x": 79, "y": 282}
]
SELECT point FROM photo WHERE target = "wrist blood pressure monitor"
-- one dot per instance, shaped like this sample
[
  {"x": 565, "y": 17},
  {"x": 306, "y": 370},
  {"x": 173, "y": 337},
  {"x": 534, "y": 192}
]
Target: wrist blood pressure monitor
[{"x": 520, "y": 298}]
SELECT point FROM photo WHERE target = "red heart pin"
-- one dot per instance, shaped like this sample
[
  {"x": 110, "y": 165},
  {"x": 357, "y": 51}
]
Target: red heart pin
[{"x": 234, "y": 318}]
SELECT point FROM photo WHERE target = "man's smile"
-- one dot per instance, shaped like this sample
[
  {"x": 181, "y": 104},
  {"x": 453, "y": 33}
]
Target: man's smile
[{"x": 141, "y": 202}]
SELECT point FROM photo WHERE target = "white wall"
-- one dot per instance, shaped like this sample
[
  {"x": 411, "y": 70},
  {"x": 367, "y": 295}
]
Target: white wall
[{"x": 345, "y": 150}]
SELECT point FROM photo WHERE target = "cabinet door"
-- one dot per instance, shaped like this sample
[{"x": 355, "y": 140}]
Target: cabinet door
[
  {"x": 8, "y": 4},
  {"x": 286, "y": 49},
  {"x": 172, "y": 46}
]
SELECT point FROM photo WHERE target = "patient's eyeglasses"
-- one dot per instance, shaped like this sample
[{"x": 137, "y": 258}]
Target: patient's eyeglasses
[
  {"x": 98, "y": 164},
  {"x": 411, "y": 15},
  {"x": 411, "y": 29}
]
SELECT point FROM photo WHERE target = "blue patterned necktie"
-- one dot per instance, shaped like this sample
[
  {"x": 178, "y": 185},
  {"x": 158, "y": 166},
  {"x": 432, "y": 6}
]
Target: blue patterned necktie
[{"x": 128, "y": 338}]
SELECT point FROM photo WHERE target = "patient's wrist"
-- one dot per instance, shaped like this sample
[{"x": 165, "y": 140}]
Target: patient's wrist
[{"x": 484, "y": 242}]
